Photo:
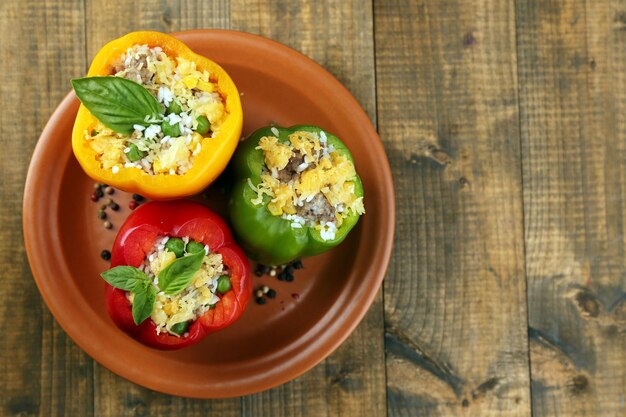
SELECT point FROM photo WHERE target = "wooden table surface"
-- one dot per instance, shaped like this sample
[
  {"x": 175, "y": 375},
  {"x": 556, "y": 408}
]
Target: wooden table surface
[{"x": 505, "y": 126}]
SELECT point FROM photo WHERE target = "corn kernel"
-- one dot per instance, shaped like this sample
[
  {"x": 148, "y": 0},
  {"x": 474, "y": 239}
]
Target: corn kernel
[
  {"x": 205, "y": 86},
  {"x": 158, "y": 166},
  {"x": 205, "y": 293},
  {"x": 190, "y": 81},
  {"x": 195, "y": 139}
]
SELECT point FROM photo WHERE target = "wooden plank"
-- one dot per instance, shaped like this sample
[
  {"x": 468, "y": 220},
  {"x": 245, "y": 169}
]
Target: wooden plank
[
  {"x": 213, "y": 14},
  {"x": 43, "y": 372},
  {"x": 338, "y": 35},
  {"x": 106, "y": 20},
  {"x": 455, "y": 307},
  {"x": 572, "y": 102}
]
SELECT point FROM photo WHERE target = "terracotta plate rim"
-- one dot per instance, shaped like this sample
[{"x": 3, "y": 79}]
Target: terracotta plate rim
[{"x": 36, "y": 232}]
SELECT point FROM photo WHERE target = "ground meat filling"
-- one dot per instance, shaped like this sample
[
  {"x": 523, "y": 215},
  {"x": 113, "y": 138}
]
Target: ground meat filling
[
  {"x": 290, "y": 171},
  {"x": 309, "y": 183},
  {"x": 317, "y": 210},
  {"x": 135, "y": 67}
]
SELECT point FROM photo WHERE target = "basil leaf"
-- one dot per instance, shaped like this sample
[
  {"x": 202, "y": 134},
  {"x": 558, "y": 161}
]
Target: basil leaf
[
  {"x": 125, "y": 277},
  {"x": 143, "y": 303},
  {"x": 178, "y": 275},
  {"x": 117, "y": 102}
]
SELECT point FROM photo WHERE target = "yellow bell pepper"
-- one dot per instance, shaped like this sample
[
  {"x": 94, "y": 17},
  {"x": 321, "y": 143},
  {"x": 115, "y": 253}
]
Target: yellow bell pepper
[{"x": 215, "y": 152}]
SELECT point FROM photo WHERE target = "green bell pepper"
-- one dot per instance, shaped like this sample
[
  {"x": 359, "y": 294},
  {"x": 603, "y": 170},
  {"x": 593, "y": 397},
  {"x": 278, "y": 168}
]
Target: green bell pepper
[{"x": 268, "y": 238}]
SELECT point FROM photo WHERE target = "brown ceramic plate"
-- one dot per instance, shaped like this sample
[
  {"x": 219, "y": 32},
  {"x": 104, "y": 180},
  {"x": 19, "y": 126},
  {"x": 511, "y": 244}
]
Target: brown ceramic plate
[{"x": 270, "y": 344}]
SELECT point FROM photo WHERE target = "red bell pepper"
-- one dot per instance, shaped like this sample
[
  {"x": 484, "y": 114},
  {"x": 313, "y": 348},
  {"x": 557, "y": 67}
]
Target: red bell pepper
[{"x": 136, "y": 239}]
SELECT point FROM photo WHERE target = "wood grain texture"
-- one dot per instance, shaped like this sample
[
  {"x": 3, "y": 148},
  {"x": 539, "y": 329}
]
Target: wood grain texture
[
  {"x": 505, "y": 125},
  {"x": 455, "y": 305},
  {"x": 43, "y": 373},
  {"x": 337, "y": 34},
  {"x": 165, "y": 16},
  {"x": 572, "y": 103}
]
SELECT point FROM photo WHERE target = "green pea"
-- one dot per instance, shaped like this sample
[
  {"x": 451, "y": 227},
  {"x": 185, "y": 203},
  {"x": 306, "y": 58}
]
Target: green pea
[
  {"x": 180, "y": 328},
  {"x": 175, "y": 245},
  {"x": 172, "y": 131},
  {"x": 203, "y": 125},
  {"x": 135, "y": 154},
  {"x": 174, "y": 108},
  {"x": 223, "y": 284},
  {"x": 194, "y": 247}
]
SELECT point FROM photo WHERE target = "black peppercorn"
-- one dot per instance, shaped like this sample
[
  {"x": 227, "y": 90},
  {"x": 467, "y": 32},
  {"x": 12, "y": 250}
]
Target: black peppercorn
[{"x": 261, "y": 270}]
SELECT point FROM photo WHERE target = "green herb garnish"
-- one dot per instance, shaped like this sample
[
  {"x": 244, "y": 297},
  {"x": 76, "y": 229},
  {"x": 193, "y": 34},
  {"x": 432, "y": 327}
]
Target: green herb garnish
[
  {"x": 178, "y": 275},
  {"x": 143, "y": 303},
  {"x": 126, "y": 278},
  {"x": 172, "y": 280},
  {"x": 118, "y": 103}
]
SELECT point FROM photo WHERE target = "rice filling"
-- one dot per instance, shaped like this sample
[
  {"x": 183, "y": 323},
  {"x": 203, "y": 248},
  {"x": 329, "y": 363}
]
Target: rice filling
[
  {"x": 309, "y": 183},
  {"x": 194, "y": 301},
  {"x": 169, "y": 145}
]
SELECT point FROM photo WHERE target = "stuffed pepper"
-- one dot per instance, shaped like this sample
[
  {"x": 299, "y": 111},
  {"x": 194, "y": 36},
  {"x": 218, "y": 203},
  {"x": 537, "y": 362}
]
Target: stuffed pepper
[
  {"x": 156, "y": 119},
  {"x": 176, "y": 275},
  {"x": 297, "y": 193}
]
